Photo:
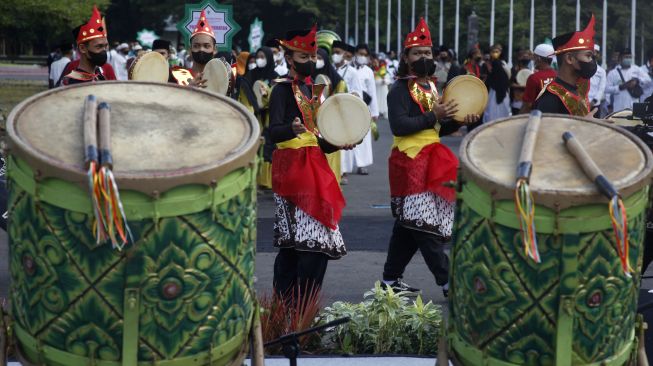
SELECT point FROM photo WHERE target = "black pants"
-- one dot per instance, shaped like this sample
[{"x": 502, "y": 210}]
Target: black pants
[
  {"x": 404, "y": 244},
  {"x": 298, "y": 269}
]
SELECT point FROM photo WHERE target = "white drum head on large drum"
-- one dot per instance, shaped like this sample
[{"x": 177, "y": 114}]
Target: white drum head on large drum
[
  {"x": 489, "y": 155},
  {"x": 216, "y": 75},
  {"x": 469, "y": 92},
  {"x": 151, "y": 150},
  {"x": 343, "y": 119},
  {"x": 151, "y": 66}
]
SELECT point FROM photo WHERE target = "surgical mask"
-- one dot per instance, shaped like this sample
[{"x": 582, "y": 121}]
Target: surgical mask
[
  {"x": 336, "y": 58},
  {"x": 251, "y": 66},
  {"x": 319, "y": 64},
  {"x": 99, "y": 58},
  {"x": 524, "y": 62},
  {"x": 626, "y": 62},
  {"x": 361, "y": 60},
  {"x": 423, "y": 67},
  {"x": 202, "y": 57},
  {"x": 261, "y": 62},
  {"x": 587, "y": 69},
  {"x": 304, "y": 68},
  {"x": 278, "y": 56}
]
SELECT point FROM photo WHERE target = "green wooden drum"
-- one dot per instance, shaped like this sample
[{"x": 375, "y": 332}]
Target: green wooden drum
[
  {"x": 182, "y": 293},
  {"x": 576, "y": 307}
]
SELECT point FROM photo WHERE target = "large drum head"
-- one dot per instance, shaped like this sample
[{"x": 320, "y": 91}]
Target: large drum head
[
  {"x": 343, "y": 119},
  {"x": 151, "y": 66},
  {"x": 163, "y": 135},
  {"x": 490, "y": 154},
  {"x": 216, "y": 74},
  {"x": 469, "y": 92}
]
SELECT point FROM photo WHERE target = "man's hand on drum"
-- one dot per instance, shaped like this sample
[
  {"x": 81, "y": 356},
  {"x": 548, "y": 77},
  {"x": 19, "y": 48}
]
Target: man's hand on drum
[
  {"x": 471, "y": 118},
  {"x": 298, "y": 127},
  {"x": 198, "y": 82},
  {"x": 446, "y": 110}
]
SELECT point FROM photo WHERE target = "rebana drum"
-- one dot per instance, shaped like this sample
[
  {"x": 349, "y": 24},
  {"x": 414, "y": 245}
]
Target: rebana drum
[
  {"x": 576, "y": 307},
  {"x": 182, "y": 293}
]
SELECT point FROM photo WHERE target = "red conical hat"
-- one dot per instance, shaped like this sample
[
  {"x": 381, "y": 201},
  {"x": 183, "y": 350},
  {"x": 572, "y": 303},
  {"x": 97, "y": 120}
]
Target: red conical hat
[
  {"x": 95, "y": 28},
  {"x": 203, "y": 27},
  {"x": 420, "y": 37},
  {"x": 302, "y": 43},
  {"x": 583, "y": 40}
]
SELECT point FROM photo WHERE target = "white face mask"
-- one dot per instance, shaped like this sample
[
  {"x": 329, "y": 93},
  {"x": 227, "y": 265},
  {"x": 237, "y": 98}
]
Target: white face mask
[
  {"x": 319, "y": 64},
  {"x": 361, "y": 60},
  {"x": 278, "y": 56},
  {"x": 261, "y": 62},
  {"x": 336, "y": 58},
  {"x": 251, "y": 66}
]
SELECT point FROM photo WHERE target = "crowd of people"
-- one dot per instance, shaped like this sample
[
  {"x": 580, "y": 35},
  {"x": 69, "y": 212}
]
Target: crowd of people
[{"x": 304, "y": 171}]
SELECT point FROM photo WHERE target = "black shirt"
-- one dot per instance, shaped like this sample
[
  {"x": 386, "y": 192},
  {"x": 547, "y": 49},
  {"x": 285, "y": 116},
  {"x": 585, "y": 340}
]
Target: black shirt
[
  {"x": 283, "y": 110},
  {"x": 406, "y": 117},
  {"x": 551, "y": 103}
]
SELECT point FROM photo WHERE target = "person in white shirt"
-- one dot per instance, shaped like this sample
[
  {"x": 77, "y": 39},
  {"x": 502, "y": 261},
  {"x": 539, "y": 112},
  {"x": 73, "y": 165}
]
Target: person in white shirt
[
  {"x": 119, "y": 62},
  {"x": 623, "y": 82},
  {"x": 281, "y": 68},
  {"x": 345, "y": 70},
  {"x": 598, "y": 82},
  {"x": 361, "y": 156},
  {"x": 57, "y": 67},
  {"x": 648, "y": 70}
]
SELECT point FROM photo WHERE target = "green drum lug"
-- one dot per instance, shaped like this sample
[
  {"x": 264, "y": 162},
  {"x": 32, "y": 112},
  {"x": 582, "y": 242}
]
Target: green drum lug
[{"x": 130, "y": 328}]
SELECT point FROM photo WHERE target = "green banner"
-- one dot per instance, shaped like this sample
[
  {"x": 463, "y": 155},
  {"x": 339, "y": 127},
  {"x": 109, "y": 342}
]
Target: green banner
[{"x": 219, "y": 16}]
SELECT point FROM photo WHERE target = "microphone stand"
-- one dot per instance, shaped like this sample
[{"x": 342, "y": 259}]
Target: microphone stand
[{"x": 290, "y": 342}]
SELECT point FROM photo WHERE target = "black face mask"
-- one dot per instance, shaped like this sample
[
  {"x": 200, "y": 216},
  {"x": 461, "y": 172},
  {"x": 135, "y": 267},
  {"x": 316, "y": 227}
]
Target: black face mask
[
  {"x": 202, "y": 57},
  {"x": 524, "y": 62},
  {"x": 99, "y": 58},
  {"x": 478, "y": 59},
  {"x": 304, "y": 68},
  {"x": 587, "y": 69},
  {"x": 423, "y": 67}
]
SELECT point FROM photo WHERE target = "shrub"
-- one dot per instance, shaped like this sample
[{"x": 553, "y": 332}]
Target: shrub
[{"x": 385, "y": 322}]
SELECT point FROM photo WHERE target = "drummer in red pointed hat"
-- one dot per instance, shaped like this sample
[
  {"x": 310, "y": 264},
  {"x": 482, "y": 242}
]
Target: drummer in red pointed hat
[
  {"x": 92, "y": 44},
  {"x": 419, "y": 165},
  {"x": 203, "y": 48},
  {"x": 568, "y": 93},
  {"x": 308, "y": 199}
]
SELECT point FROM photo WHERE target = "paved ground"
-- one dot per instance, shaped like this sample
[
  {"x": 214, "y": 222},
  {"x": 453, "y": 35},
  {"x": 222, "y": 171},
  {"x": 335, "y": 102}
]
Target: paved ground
[{"x": 23, "y": 72}]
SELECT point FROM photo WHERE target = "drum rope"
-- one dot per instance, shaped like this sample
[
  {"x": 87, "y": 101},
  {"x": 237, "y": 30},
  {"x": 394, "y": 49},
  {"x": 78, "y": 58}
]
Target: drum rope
[
  {"x": 525, "y": 208},
  {"x": 620, "y": 226}
]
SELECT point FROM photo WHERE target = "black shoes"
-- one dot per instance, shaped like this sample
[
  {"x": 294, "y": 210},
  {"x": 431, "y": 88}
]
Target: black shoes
[{"x": 400, "y": 286}]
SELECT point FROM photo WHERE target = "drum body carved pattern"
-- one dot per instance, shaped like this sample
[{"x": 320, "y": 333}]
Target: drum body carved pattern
[
  {"x": 194, "y": 274},
  {"x": 507, "y": 306}
]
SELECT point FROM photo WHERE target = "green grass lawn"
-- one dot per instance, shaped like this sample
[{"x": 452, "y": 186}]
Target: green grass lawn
[{"x": 13, "y": 92}]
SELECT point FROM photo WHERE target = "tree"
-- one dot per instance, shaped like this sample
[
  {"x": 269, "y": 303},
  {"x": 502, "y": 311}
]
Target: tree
[{"x": 42, "y": 22}]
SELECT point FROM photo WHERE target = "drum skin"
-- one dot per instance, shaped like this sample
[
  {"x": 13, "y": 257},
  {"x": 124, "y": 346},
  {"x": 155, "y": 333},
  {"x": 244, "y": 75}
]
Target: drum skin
[
  {"x": 575, "y": 307},
  {"x": 181, "y": 294}
]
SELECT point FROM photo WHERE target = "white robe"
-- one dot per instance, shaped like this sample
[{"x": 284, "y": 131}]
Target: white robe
[
  {"x": 362, "y": 156},
  {"x": 622, "y": 98}
]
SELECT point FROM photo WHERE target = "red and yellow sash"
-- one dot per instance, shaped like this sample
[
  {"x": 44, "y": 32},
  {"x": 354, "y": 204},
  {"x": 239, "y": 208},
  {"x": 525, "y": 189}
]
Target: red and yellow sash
[
  {"x": 577, "y": 105},
  {"x": 411, "y": 145},
  {"x": 418, "y": 162},
  {"x": 300, "y": 171}
]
